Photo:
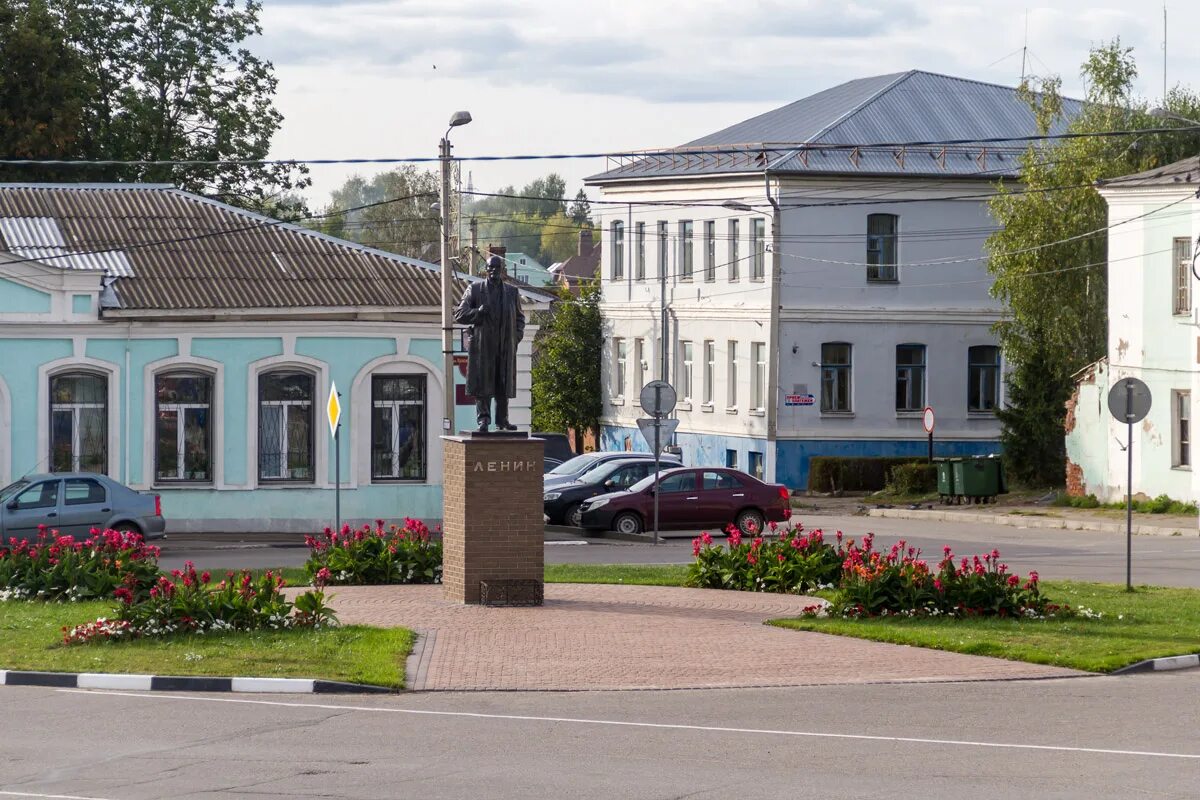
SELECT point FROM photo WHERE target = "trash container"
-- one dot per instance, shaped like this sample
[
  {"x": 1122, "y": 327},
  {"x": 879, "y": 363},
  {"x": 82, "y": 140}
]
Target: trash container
[
  {"x": 945, "y": 479},
  {"x": 977, "y": 478}
]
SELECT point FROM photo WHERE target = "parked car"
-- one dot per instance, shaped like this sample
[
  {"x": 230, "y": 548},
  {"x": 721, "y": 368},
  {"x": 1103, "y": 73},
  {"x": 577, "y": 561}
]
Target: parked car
[
  {"x": 690, "y": 498},
  {"x": 574, "y": 469},
  {"x": 549, "y": 464},
  {"x": 75, "y": 502},
  {"x": 557, "y": 447},
  {"x": 562, "y": 502}
]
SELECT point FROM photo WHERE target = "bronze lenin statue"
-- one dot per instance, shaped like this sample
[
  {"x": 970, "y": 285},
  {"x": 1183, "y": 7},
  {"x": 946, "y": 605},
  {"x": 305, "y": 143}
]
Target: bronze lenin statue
[{"x": 493, "y": 310}]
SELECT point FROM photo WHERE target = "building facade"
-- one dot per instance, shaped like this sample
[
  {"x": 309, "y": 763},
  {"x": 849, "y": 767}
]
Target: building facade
[
  {"x": 816, "y": 295},
  {"x": 186, "y": 347},
  {"x": 1153, "y": 335}
]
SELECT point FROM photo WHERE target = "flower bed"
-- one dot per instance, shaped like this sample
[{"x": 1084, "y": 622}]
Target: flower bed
[
  {"x": 186, "y": 602},
  {"x": 384, "y": 554},
  {"x": 54, "y": 567},
  {"x": 788, "y": 561}
]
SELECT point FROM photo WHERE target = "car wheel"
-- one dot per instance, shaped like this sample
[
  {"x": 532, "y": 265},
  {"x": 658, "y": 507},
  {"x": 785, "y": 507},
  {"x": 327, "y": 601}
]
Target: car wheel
[
  {"x": 574, "y": 515},
  {"x": 127, "y": 527},
  {"x": 627, "y": 522},
  {"x": 750, "y": 522}
]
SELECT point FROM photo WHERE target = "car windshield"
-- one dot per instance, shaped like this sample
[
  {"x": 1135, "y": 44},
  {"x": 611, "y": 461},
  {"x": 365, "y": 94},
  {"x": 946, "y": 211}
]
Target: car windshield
[
  {"x": 600, "y": 473},
  {"x": 574, "y": 465},
  {"x": 643, "y": 484},
  {"x": 12, "y": 489}
]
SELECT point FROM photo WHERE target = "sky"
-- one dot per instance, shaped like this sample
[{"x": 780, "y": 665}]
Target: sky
[{"x": 380, "y": 78}]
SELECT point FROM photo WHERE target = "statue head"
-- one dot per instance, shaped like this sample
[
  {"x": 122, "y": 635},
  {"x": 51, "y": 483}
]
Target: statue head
[{"x": 495, "y": 268}]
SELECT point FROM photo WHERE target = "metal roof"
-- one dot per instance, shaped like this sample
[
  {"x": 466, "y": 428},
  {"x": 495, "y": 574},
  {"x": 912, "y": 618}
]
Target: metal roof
[
  {"x": 819, "y": 134},
  {"x": 1184, "y": 173},
  {"x": 169, "y": 249}
]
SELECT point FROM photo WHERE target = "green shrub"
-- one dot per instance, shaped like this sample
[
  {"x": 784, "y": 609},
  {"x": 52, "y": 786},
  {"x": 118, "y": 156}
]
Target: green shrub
[
  {"x": 835, "y": 473},
  {"x": 372, "y": 556},
  {"x": 1159, "y": 505},
  {"x": 791, "y": 562},
  {"x": 917, "y": 478}
]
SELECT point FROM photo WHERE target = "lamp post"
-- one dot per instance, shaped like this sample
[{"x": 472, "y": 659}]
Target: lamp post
[
  {"x": 1162, "y": 113},
  {"x": 458, "y": 118}
]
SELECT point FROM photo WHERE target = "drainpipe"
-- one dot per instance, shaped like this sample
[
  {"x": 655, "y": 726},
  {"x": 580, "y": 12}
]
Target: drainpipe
[
  {"x": 773, "y": 394},
  {"x": 128, "y": 401}
]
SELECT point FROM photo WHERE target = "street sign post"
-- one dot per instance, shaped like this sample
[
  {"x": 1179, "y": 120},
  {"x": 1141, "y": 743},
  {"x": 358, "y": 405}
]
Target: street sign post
[
  {"x": 657, "y": 399},
  {"x": 1129, "y": 402},
  {"x": 927, "y": 421},
  {"x": 333, "y": 410}
]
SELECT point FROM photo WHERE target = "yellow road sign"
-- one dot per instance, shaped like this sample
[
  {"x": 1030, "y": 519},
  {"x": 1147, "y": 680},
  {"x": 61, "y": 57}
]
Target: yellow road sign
[{"x": 333, "y": 409}]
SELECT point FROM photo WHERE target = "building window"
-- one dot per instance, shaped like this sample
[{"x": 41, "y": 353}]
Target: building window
[
  {"x": 758, "y": 386},
  {"x": 835, "y": 377},
  {"x": 639, "y": 356},
  {"x": 731, "y": 375},
  {"x": 758, "y": 249},
  {"x": 1182, "y": 407},
  {"x": 662, "y": 249},
  {"x": 685, "y": 371},
  {"x": 731, "y": 459},
  {"x": 710, "y": 357},
  {"x": 619, "y": 356},
  {"x": 685, "y": 250},
  {"x": 881, "y": 246},
  {"x": 710, "y": 251},
  {"x": 1183, "y": 276},
  {"x": 618, "y": 248},
  {"x": 910, "y": 377},
  {"x": 397, "y": 427},
  {"x": 983, "y": 378},
  {"x": 755, "y": 463},
  {"x": 285, "y": 426},
  {"x": 735, "y": 250},
  {"x": 639, "y": 264},
  {"x": 183, "y": 427},
  {"x": 79, "y": 422}
]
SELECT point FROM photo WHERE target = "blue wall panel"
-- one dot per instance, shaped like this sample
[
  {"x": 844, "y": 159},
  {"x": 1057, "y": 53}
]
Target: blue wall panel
[
  {"x": 19, "y": 362},
  {"x": 791, "y": 457}
]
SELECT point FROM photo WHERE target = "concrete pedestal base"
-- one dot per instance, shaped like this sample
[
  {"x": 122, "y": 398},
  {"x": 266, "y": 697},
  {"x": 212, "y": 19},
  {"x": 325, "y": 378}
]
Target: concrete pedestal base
[{"x": 492, "y": 512}]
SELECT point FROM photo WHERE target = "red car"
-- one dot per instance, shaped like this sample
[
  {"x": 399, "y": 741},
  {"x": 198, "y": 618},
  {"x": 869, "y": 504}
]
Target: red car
[{"x": 691, "y": 498}]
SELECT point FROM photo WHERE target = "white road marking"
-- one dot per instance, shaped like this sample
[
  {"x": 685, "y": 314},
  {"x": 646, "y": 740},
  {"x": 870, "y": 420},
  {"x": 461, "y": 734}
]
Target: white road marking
[
  {"x": 48, "y": 796},
  {"x": 655, "y": 725}
]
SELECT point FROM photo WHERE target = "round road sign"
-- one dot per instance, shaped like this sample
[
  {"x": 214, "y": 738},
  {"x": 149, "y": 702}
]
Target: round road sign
[
  {"x": 927, "y": 418},
  {"x": 658, "y": 398},
  {"x": 1129, "y": 400}
]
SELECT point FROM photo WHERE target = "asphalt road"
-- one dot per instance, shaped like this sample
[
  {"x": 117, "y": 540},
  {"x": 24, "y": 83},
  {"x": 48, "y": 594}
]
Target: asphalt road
[
  {"x": 1095, "y": 737},
  {"x": 1085, "y": 555}
]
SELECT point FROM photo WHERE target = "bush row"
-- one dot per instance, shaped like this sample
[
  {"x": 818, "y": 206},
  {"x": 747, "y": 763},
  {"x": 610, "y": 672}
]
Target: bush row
[
  {"x": 384, "y": 554},
  {"x": 837, "y": 474},
  {"x": 54, "y": 567}
]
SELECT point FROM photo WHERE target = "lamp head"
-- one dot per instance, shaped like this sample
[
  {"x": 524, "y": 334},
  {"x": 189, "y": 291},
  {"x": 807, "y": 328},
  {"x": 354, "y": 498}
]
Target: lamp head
[{"x": 460, "y": 118}]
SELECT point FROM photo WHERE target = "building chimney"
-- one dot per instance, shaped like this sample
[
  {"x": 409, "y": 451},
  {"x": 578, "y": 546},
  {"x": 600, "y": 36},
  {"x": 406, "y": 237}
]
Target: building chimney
[{"x": 585, "y": 241}]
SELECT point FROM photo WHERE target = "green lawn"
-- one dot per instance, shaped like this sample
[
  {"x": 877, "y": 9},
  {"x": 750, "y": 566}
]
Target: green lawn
[
  {"x": 31, "y": 639},
  {"x": 1148, "y": 623},
  {"x": 643, "y": 574}
]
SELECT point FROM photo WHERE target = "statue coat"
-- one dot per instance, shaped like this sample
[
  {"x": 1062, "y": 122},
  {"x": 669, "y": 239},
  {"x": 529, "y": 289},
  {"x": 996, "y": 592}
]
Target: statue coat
[{"x": 492, "y": 354}]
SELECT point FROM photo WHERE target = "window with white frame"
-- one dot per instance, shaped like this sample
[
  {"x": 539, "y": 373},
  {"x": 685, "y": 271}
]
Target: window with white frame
[
  {"x": 685, "y": 250},
  {"x": 639, "y": 256},
  {"x": 183, "y": 426},
  {"x": 983, "y": 378},
  {"x": 640, "y": 363},
  {"x": 735, "y": 250},
  {"x": 731, "y": 374},
  {"x": 758, "y": 385},
  {"x": 662, "y": 249},
  {"x": 710, "y": 367},
  {"x": 618, "y": 250},
  {"x": 910, "y": 377},
  {"x": 881, "y": 247},
  {"x": 758, "y": 249},
  {"x": 619, "y": 359},
  {"x": 757, "y": 464},
  {"x": 835, "y": 377},
  {"x": 398, "y": 449},
  {"x": 285, "y": 426},
  {"x": 1182, "y": 428},
  {"x": 1182, "y": 252},
  {"x": 685, "y": 371},
  {"x": 710, "y": 251},
  {"x": 78, "y": 422}
]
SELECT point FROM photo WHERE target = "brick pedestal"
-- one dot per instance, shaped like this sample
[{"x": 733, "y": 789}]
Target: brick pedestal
[{"x": 491, "y": 514}]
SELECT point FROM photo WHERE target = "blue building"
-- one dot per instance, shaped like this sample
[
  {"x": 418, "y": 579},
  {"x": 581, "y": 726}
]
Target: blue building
[{"x": 187, "y": 347}]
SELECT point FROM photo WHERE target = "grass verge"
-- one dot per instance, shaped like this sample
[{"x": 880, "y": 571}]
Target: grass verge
[
  {"x": 31, "y": 639},
  {"x": 1150, "y": 622},
  {"x": 633, "y": 574}
]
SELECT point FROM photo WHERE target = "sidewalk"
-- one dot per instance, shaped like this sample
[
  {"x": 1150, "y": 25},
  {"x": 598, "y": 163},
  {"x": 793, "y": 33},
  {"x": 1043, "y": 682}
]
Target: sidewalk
[{"x": 1071, "y": 519}]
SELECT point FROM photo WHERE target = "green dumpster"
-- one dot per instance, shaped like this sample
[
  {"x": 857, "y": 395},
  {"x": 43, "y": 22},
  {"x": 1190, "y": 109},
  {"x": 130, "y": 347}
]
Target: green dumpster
[
  {"x": 977, "y": 478},
  {"x": 945, "y": 479}
]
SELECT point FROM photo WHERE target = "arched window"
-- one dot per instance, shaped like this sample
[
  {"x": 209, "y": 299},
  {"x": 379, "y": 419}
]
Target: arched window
[
  {"x": 183, "y": 426},
  {"x": 78, "y": 422},
  {"x": 285, "y": 426},
  {"x": 398, "y": 427}
]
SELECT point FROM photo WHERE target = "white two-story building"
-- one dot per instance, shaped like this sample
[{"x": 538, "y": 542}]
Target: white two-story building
[{"x": 822, "y": 274}]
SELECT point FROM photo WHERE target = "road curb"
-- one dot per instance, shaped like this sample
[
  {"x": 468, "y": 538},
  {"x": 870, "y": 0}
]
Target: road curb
[
  {"x": 1023, "y": 521},
  {"x": 1190, "y": 661},
  {"x": 182, "y": 683}
]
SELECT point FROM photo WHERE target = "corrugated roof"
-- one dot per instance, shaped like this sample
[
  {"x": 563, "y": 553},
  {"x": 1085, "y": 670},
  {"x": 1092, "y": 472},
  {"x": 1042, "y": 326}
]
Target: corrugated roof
[
  {"x": 170, "y": 249},
  {"x": 817, "y": 134},
  {"x": 1185, "y": 172}
]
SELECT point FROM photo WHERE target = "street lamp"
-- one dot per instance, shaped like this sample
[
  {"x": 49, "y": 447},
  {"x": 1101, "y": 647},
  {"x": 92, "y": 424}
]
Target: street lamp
[
  {"x": 457, "y": 119},
  {"x": 1162, "y": 113},
  {"x": 737, "y": 205}
]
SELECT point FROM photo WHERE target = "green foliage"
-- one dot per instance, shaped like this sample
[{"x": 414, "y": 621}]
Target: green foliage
[
  {"x": 1033, "y": 417},
  {"x": 59, "y": 568},
  {"x": 566, "y": 366},
  {"x": 914, "y": 478},
  {"x": 792, "y": 562},
  {"x": 405, "y": 226},
  {"x": 1159, "y": 505},
  {"x": 543, "y": 227},
  {"x": 853, "y": 474},
  {"x": 373, "y": 556}
]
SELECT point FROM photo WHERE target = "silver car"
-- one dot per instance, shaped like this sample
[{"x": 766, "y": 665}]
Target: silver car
[{"x": 73, "y": 503}]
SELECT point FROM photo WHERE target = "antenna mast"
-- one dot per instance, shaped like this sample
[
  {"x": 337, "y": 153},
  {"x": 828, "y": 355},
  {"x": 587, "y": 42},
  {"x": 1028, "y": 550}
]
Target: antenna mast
[{"x": 1025, "y": 45}]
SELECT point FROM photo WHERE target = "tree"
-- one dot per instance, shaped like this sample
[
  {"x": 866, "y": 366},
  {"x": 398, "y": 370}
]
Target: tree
[
  {"x": 402, "y": 222},
  {"x": 560, "y": 238},
  {"x": 1034, "y": 447},
  {"x": 519, "y": 219},
  {"x": 566, "y": 368},
  {"x": 580, "y": 211},
  {"x": 1049, "y": 252}
]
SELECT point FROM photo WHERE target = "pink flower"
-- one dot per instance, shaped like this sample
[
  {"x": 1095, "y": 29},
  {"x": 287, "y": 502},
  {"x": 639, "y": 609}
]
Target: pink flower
[
  {"x": 322, "y": 577},
  {"x": 706, "y": 538}
]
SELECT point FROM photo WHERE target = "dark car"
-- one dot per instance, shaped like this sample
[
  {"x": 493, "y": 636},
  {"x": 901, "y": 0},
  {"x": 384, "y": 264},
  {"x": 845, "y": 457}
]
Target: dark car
[
  {"x": 690, "y": 499},
  {"x": 557, "y": 446},
  {"x": 579, "y": 466},
  {"x": 74, "y": 503},
  {"x": 562, "y": 502}
]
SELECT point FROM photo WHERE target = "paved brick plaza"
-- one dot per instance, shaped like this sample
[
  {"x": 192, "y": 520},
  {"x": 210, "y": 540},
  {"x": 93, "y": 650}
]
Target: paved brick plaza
[{"x": 591, "y": 636}]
